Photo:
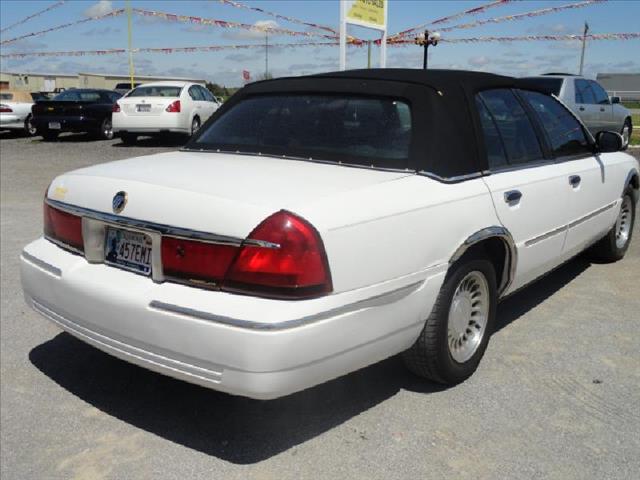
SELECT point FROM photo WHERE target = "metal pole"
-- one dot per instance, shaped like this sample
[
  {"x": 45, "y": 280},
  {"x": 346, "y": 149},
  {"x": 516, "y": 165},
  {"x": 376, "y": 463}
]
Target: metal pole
[
  {"x": 369, "y": 54},
  {"x": 129, "y": 34},
  {"x": 426, "y": 49},
  {"x": 343, "y": 35},
  {"x": 266, "y": 55},
  {"x": 584, "y": 43}
]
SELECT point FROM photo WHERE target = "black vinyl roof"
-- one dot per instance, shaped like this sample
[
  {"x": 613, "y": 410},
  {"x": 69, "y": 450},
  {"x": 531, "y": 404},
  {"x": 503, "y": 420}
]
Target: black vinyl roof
[{"x": 446, "y": 131}]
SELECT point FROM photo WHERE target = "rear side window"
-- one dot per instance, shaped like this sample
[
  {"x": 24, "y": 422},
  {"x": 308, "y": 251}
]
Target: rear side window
[
  {"x": 601, "y": 96},
  {"x": 584, "y": 94},
  {"x": 496, "y": 155},
  {"x": 564, "y": 132},
  {"x": 354, "y": 129},
  {"x": 195, "y": 94},
  {"x": 155, "y": 91},
  {"x": 518, "y": 136},
  {"x": 206, "y": 94}
]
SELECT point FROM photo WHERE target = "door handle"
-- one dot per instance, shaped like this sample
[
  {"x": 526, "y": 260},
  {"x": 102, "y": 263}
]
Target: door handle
[
  {"x": 602, "y": 109},
  {"x": 581, "y": 109},
  {"x": 512, "y": 196},
  {"x": 574, "y": 180}
]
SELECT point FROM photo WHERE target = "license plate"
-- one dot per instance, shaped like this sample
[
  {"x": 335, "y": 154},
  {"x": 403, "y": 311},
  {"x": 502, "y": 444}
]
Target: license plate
[
  {"x": 144, "y": 108},
  {"x": 128, "y": 250},
  {"x": 55, "y": 126}
]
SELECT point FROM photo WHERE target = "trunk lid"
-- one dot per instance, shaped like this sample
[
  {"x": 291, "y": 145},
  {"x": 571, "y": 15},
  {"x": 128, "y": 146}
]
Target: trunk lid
[
  {"x": 145, "y": 106},
  {"x": 53, "y": 108},
  {"x": 210, "y": 192}
]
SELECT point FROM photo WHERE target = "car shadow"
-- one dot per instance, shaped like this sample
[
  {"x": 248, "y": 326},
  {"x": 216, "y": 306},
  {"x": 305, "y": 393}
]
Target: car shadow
[
  {"x": 13, "y": 133},
  {"x": 68, "y": 137},
  {"x": 156, "y": 141},
  {"x": 237, "y": 429}
]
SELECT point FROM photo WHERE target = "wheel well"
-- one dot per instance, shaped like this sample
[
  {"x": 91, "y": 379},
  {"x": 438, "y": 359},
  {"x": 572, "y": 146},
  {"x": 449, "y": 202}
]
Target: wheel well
[
  {"x": 495, "y": 249},
  {"x": 635, "y": 182}
]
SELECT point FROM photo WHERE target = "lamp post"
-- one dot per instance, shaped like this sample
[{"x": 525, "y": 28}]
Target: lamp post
[{"x": 425, "y": 39}]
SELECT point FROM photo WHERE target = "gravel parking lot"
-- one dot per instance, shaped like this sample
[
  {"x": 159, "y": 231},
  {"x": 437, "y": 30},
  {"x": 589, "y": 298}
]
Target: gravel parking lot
[{"x": 556, "y": 396}]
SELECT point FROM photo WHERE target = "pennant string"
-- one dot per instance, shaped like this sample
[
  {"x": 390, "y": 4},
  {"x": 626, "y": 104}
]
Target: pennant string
[{"x": 37, "y": 14}]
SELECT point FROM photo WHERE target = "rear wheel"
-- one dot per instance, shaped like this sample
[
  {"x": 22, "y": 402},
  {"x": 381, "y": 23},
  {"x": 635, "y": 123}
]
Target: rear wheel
[
  {"x": 106, "y": 130},
  {"x": 614, "y": 246},
  {"x": 49, "y": 136},
  {"x": 29, "y": 129},
  {"x": 129, "y": 138},
  {"x": 195, "y": 125},
  {"x": 456, "y": 333},
  {"x": 627, "y": 129}
]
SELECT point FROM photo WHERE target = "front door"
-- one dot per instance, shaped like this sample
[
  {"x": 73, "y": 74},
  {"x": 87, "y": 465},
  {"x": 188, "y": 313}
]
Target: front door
[{"x": 528, "y": 190}]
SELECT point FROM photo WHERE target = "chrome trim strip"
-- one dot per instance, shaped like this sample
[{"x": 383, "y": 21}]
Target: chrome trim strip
[
  {"x": 55, "y": 271},
  {"x": 454, "y": 179},
  {"x": 163, "y": 229},
  {"x": 512, "y": 253},
  {"x": 374, "y": 301},
  {"x": 564, "y": 228}
]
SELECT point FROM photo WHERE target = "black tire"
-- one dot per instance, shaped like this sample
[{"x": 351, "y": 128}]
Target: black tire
[
  {"x": 430, "y": 355},
  {"x": 106, "y": 130},
  {"x": 49, "y": 136},
  {"x": 612, "y": 248},
  {"x": 129, "y": 138},
  {"x": 627, "y": 124},
  {"x": 29, "y": 129},
  {"x": 195, "y": 125}
]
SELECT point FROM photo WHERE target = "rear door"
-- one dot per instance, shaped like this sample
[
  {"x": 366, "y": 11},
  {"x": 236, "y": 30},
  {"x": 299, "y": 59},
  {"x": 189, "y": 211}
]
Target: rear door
[
  {"x": 590, "y": 180},
  {"x": 588, "y": 109},
  {"x": 210, "y": 104},
  {"x": 528, "y": 190}
]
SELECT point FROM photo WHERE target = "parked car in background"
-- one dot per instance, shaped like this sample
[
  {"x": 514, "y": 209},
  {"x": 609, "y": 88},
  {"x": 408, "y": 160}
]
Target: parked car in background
[
  {"x": 162, "y": 107},
  {"x": 76, "y": 110},
  {"x": 15, "y": 111},
  {"x": 125, "y": 87},
  {"x": 316, "y": 225},
  {"x": 590, "y": 102}
]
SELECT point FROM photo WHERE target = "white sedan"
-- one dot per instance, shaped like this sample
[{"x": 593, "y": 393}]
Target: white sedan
[
  {"x": 320, "y": 224},
  {"x": 15, "y": 111},
  {"x": 162, "y": 107}
]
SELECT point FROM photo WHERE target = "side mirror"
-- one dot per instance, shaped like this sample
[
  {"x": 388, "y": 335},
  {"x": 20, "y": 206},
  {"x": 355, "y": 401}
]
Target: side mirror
[
  {"x": 615, "y": 100},
  {"x": 609, "y": 141}
]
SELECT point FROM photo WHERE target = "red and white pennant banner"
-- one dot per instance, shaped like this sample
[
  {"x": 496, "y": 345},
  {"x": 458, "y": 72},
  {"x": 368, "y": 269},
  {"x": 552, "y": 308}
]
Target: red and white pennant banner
[
  {"x": 529, "y": 38},
  {"x": 232, "y": 3},
  {"x": 37, "y": 14}
]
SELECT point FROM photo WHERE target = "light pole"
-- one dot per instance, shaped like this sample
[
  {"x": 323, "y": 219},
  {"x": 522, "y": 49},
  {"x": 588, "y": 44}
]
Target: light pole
[
  {"x": 584, "y": 43},
  {"x": 425, "y": 39}
]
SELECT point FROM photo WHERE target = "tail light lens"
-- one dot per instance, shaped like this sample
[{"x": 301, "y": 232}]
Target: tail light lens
[
  {"x": 297, "y": 269},
  {"x": 115, "y": 108},
  {"x": 174, "y": 107},
  {"x": 5, "y": 109},
  {"x": 63, "y": 227},
  {"x": 196, "y": 261}
]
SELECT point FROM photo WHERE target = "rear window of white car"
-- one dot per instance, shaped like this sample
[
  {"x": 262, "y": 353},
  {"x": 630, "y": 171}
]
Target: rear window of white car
[
  {"x": 155, "y": 91},
  {"x": 349, "y": 128}
]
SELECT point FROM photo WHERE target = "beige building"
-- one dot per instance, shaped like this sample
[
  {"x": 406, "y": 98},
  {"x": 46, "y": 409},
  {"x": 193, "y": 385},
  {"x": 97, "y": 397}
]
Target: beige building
[{"x": 42, "y": 82}]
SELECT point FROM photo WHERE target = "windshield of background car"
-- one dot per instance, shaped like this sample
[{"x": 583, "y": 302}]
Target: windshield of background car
[
  {"x": 155, "y": 91},
  {"x": 77, "y": 96},
  {"x": 546, "y": 84},
  {"x": 353, "y": 129}
]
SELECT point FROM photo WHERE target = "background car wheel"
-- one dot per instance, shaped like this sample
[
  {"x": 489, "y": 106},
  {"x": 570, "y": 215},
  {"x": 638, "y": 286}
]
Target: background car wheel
[
  {"x": 613, "y": 247},
  {"x": 456, "y": 333},
  {"x": 627, "y": 129},
  {"x": 29, "y": 129},
  {"x": 49, "y": 136},
  {"x": 195, "y": 125},
  {"x": 128, "y": 138},
  {"x": 106, "y": 130}
]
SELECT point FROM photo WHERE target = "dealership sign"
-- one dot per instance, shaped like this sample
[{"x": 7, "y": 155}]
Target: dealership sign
[{"x": 365, "y": 13}]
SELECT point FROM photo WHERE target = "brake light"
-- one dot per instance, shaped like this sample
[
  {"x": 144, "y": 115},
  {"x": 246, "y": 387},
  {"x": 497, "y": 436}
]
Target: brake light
[
  {"x": 298, "y": 268},
  {"x": 174, "y": 107},
  {"x": 5, "y": 109},
  {"x": 115, "y": 108},
  {"x": 196, "y": 261},
  {"x": 63, "y": 227}
]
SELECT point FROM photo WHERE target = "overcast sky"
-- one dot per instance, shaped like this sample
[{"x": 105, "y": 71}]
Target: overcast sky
[{"x": 225, "y": 67}]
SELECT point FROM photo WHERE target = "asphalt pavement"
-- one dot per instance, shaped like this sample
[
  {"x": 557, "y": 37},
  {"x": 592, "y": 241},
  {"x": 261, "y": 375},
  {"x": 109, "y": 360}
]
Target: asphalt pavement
[{"x": 557, "y": 395}]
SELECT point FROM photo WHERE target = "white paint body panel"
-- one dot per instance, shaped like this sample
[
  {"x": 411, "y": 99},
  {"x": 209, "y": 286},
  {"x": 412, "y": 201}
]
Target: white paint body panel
[
  {"x": 389, "y": 237},
  {"x": 16, "y": 118}
]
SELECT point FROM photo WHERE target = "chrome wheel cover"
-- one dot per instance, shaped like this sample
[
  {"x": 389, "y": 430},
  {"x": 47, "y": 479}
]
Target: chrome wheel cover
[
  {"x": 623, "y": 224},
  {"x": 625, "y": 135},
  {"x": 468, "y": 314},
  {"x": 108, "y": 130},
  {"x": 195, "y": 126},
  {"x": 31, "y": 130}
]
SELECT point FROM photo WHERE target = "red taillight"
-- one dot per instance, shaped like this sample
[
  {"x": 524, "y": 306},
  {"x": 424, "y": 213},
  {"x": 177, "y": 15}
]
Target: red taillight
[
  {"x": 297, "y": 269},
  {"x": 5, "y": 109},
  {"x": 115, "y": 108},
  {"x": 174, "y": 107},
  {"x": 196, "y": 261},
  {"x": 63, "y": 227}
]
